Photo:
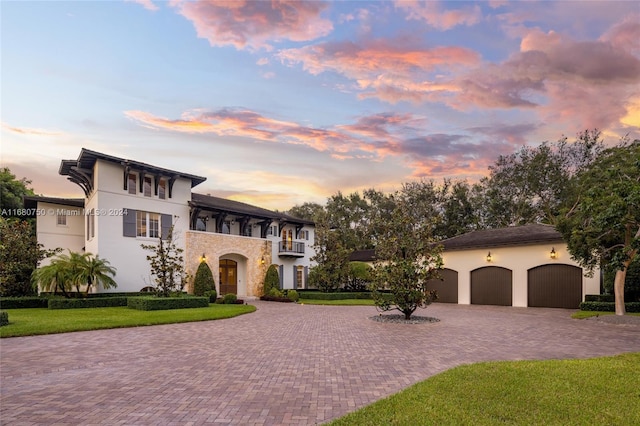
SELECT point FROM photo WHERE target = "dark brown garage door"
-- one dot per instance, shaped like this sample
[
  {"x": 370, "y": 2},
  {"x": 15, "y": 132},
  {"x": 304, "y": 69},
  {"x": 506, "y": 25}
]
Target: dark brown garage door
[
  {"x": 555, "y": 286},
  {"x": 447, "y": 288},
  {"x": 491, "y": 286}
]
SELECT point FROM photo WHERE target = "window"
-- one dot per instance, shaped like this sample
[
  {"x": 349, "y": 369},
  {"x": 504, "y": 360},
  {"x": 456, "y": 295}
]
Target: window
[
  {"x": 146, "y": 188},
  {"x": 201, "y": 225},
  {"x": 162, "y": 189},
  {"x": 304, "y": 235},
  {"x": 226, "y": 227},
  {"x": 147, "y": 224},
  {"x": 273, "y": 230},
  {"x": 131, "y": 185},
  {"x": 92, "y": 223},
  {"x": 300, "y": 277},
  {"x": 61, "y": 219}
]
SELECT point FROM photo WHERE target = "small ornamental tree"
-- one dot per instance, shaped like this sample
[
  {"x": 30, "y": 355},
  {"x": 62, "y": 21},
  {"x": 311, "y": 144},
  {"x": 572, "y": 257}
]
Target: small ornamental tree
[
  {"x": 406, "y": 259},
  {"x": 167, "y": 265},
  {"x": 359, "y": 276},
  {"x": 271, "y": 279},
  {"x": 203, "y": 281}
]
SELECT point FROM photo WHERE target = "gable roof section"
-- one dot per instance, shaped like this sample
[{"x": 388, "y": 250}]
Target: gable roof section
[
  {"x": 210, "y": 203},
  {"x": 501, "y": 237},
  {"x": 87, "y": 158}
]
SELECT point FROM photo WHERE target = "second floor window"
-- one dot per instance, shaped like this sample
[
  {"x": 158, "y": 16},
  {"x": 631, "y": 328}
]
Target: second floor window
[
  {"x": 147, "y": 224},
  {"x": 62, "y": 219},
  {"x": 147, "y": 186},
  {"x": 131, "y": 184},
  {"x": 162, "y": 189}
]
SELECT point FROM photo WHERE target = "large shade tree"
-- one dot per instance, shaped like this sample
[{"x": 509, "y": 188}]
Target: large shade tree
[{"x": 602, "y": 227}]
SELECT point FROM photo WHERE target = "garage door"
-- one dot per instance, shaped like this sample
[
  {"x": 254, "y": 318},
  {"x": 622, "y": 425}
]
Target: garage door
[
  {"x": 447, "y": 288},
  {"x": 555, "y": 286},
  {"x": 491, "y": 285}
]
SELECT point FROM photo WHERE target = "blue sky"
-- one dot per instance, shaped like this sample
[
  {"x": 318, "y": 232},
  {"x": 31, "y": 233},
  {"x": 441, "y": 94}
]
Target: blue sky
[{"x": 278, "y": 103}]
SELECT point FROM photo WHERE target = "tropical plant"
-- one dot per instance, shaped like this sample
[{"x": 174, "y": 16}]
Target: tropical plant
[
  {"x": 53, "y": 277},
  {"x": 95, "y": 271}
]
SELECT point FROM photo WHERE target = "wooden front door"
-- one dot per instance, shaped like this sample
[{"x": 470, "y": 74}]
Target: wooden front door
[{"x": 228, "y": 277}]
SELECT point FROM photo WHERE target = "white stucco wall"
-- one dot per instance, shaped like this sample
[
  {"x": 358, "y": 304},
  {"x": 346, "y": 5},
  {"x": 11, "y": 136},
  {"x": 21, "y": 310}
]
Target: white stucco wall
[
  {"x": 519, "y": 260},
  {"x": 125, "y": 253},
  {"x": 52, "y": 236}
]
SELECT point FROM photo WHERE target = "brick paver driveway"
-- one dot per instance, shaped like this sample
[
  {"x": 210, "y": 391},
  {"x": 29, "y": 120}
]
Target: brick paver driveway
[{"x": 284, "y": 364}]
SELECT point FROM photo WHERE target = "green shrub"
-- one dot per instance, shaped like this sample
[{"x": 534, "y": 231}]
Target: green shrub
[
  {"x": 162, "y": 303},
  {"x": 212, "y": 295},
  {"x": 23, "y": 302},
  {"x": 4, "y": 318},
  {"x": 599, "y": 298},
  {"x": 275, "y": 292},
  {"x": 203, "y": 281},
  {"x": 358, "y": 277},
  {"x": 276, "y": 299},
  {"x": 229, "y": 299},
  {"x": 271, "y": 279},
  {"x": 608, "y": 306},
  {"x": 317, "y": 295},
  {"x": 293, "y": 295},
  {"x": 102, "y": 302}
]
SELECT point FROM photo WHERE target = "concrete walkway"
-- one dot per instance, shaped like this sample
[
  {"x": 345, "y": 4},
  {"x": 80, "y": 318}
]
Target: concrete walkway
[{"x": 284, "y": 364}]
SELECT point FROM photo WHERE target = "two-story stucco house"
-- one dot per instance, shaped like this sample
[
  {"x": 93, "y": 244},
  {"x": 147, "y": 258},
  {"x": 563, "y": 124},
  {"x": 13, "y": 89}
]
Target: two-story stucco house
[{"x": 128, "y": 203}]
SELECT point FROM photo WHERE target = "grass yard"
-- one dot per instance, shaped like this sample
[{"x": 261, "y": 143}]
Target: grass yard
[
  {"x": 342, "y": 302},
  {"x": 569, "y": 392},
  {"x": 589, "y": 314},
  {"x": 27, "y": 322}
]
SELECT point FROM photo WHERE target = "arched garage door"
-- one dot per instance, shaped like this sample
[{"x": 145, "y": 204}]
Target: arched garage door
[
  {"x": 491, "y": 285},
  {"x": 447, "y": 288},
  {"x": 555, "y": 286}
]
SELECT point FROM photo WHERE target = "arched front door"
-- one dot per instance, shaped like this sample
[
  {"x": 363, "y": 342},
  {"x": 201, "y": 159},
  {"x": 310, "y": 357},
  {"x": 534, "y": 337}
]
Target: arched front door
[{"x": 228, "y": 277}]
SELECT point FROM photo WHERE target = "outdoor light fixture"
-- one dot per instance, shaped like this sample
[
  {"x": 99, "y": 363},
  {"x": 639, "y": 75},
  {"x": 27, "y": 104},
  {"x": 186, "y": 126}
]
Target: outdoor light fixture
[
  {"x": 203, "y": 258},
  {"x": 489, "y": 257},
  {"x": 262, "y": 260},
  {"x": 553, "y": 253}
]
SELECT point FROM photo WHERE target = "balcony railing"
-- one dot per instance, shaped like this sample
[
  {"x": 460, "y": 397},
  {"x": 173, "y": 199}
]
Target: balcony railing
[{"x": 291, "y": 248}]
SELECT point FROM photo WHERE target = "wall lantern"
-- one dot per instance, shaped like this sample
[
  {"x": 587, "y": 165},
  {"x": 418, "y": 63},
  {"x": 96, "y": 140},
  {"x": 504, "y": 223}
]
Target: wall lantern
[
  {"x": 262, "y": 260},
  {"x": 553, "y": 253},
  {"x": 203, "y": 258},
  {"x": 489, "y": 257}
]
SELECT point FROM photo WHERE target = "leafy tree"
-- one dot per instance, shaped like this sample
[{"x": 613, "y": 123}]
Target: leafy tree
[
  {"x": 203, "y": 282},
  {"x": 271, "y": 279},
  {"x": 20, "y": 254},
  {"x": 532, "y": 185},
  {"x": 167, "y": 265},
  {"x": 332, "y": 257},
  {"x": 458, "y": 209},
  {"x": 358, "y": 277},
  {"x": 406, "y": 259},
  {"x": 307, "y": 211},
  {"x": 13, "y": 190},
  {"x": 603, "y": 225}
]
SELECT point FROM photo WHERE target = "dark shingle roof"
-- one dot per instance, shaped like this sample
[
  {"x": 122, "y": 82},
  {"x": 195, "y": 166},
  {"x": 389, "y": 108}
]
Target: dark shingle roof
[
  {"x": 363, "y": 256},
  {"x": 208, "y": 202},
  {"x": 510, "y": 236},
  {"x": 31, "y": 201},
  {"x": 87, "y": 159}
]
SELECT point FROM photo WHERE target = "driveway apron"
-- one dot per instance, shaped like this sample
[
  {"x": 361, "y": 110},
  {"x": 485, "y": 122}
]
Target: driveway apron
[{"x": 283, "y": 364}]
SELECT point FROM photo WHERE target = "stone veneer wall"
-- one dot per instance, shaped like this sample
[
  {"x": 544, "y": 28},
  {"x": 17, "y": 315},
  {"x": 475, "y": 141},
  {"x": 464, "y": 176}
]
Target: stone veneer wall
[{"x": 214, "y": 246}]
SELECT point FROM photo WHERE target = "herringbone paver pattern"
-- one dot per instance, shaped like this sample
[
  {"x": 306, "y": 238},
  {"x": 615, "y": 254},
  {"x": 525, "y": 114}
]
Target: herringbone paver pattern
[{"x": 284, "y": 364}]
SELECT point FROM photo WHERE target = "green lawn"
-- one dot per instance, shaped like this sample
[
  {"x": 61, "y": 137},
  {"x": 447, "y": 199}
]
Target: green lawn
[
  {"x": 570, "y": 392},
  {"x": 343, "y": 302},
  {"x": 588, "y": 314},
  {"x": 26, "y": 322}
]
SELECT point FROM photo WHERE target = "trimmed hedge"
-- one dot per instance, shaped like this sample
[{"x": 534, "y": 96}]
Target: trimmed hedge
[
  {"x": 608, "y": 306},
  {"x": 4, "y": 318},
  {"x": 318, "y": 295},
  {"x": 97, "y": 302},
  {"x": 23, "y": 302},
  {"x": 599, "y": 298},
  {"x": 282, "y": 299},
  {"x": 163, "y": 303}
]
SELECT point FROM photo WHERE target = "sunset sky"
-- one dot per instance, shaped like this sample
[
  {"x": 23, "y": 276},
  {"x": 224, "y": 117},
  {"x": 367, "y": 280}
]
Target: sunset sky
[{"x": 278, "y": 103}]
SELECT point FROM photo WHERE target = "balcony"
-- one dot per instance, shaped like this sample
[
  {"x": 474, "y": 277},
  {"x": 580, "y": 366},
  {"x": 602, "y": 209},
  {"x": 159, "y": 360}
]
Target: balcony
[{"x": 290, "y": 249}]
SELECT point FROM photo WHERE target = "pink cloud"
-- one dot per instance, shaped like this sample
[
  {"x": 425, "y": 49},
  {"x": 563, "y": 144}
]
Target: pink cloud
[
  {"x": 255, "y": 24},
  {"x": 147, "y": 4},
  {"x": 435, "y": 16},
  {"x": 27, "y": 131},
  {"x": 625, "y": 35}
]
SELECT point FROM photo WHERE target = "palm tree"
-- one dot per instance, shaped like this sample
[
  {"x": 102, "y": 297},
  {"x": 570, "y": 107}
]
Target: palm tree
[
  {"x": 95, "y": 270},
  {"x": 54, "y": 276}
]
